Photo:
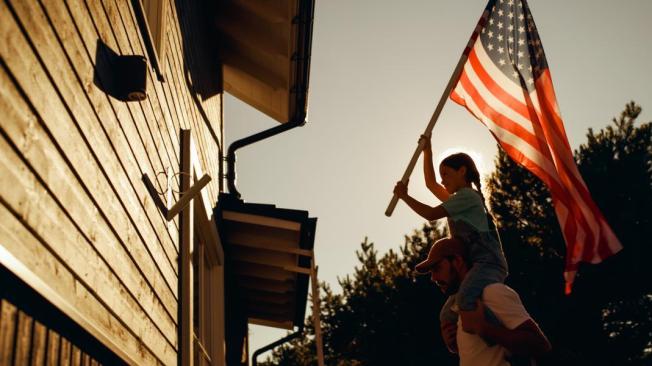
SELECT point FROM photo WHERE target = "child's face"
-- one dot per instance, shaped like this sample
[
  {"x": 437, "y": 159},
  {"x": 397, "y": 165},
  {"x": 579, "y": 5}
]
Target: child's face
[{"x": 452, "y": 179}]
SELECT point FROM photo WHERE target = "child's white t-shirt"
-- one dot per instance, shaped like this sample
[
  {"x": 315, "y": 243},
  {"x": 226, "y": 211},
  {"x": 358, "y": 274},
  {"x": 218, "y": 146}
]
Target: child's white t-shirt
[{"x": 466, "y": 204}]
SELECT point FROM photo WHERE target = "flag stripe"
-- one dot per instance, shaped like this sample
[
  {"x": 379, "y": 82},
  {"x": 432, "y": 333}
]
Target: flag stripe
[
  {"x": 586, "y": 218},
  {"x": 506, "y": 84}
]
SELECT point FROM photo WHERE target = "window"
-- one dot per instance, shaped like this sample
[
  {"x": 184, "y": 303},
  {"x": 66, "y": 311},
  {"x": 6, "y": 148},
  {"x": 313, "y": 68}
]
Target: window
[
  {"x": 208, "y": 312},
  {"x": 152, "y": 17}
]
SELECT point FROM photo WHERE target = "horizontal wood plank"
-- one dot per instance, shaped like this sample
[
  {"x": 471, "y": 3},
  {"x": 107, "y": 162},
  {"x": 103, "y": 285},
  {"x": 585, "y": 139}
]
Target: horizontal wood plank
[
  {"x": 89, "y": 38},
  {"x": 42, "y": 214},
  {"x": 129, "y": 232},
  {"x": 23, "y": 245},
  {"x": 86, "y": 213},
  {"x": 112, "y": 114}
]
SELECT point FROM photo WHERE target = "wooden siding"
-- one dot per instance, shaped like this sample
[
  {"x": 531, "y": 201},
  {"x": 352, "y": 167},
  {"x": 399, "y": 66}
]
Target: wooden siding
[
  {"x": 73, "y": 206},
  {"x": 26, "y": 341}
]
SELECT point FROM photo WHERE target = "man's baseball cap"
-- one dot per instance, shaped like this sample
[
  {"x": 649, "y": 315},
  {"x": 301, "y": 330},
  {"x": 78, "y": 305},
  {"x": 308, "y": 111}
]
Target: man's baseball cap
[{"x": 441, "y": 249}]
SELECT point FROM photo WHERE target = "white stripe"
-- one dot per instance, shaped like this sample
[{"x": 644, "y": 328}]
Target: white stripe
[
  {"x": 496, "y": 103},
  {"x": 523, "y": 146},
  {"x": 516, "y": 91},
  {"x": 587, "y": 213},
  {"x": 557, "y": 145},
  {"x": 562, "y": 156},
  {"x": 563, "y": 214},
  {"x": 513, "y": 89},
  {"x": 544, "y": 163}
]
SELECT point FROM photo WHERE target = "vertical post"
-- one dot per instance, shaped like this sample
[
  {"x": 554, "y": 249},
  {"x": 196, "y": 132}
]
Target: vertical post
[
  {"x": 316, "y": 312},
  {"x": 186, "y": 241},
  {"x": 201, "y": 308}
]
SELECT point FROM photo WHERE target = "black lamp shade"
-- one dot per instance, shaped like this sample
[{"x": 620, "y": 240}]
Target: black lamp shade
[{"x": 133, "y": 77}]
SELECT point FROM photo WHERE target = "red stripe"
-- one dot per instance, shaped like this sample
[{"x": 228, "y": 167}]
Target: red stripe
[
  {"x": 524, "y": 110},
  {"x": 518, "y": 107},
  {"x": 547, "y": 100},
  {"x": 571, "y": 176},
  {"x": 498, "y": 117},
  {"x": 569, "y": 228},
  {"x": 549, "y": 139},
  {"x": 575, "y": 212}
]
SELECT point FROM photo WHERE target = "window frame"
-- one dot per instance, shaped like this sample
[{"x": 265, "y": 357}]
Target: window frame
[
  {"x": 155, "y": 47},
  {"x": 200, "y": 222}
]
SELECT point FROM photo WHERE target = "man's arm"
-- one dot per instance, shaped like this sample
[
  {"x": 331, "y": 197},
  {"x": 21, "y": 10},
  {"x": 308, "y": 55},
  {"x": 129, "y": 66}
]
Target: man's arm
[
  {"x": 449, "y": 335},
  {"x": 526, "y": 339}
]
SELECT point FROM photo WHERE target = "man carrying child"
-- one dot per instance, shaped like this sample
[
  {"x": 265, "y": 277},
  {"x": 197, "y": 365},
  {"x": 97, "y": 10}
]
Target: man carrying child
[{"x": 516, "y": 336}]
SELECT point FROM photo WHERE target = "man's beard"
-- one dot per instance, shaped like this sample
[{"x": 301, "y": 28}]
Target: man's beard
[{"x": 453, "y": 284}]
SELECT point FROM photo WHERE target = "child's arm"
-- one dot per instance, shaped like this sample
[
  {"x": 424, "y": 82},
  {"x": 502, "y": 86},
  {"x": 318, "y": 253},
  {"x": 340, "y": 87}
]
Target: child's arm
[
  {"x": 425, "y": 211},
  {"x": 429, "y": 172}
]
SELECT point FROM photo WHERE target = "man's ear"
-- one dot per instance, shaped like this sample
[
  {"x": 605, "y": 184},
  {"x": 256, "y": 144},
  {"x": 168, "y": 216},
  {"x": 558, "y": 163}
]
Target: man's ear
[{"x": 457, "y": 261}]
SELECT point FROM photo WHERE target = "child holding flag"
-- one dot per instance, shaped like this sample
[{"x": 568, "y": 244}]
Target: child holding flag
[{"x": 468, "y": 221}]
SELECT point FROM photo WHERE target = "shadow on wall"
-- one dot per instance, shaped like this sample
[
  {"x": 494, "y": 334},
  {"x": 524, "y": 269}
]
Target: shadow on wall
[
  {"x": 199, "y": 38},
  {"x": 122, "y": 77}
]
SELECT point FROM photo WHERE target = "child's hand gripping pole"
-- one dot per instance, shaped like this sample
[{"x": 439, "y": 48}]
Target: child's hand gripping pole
[
  {"x": 451, "y": 84},
  {"x": 406, "y": 175}
]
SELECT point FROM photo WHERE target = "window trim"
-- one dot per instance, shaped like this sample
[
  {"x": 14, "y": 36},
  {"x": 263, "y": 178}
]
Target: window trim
[
  {"x": 145, "y": 31},
  {"x": 197, "y": 217}
]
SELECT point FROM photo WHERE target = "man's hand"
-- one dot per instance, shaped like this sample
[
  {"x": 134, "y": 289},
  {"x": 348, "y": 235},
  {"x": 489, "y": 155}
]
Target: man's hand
[
  {"x": 400, "y": 190},
  {"x": 473, "y": 321},
  {"x": 449, "y": 334}
]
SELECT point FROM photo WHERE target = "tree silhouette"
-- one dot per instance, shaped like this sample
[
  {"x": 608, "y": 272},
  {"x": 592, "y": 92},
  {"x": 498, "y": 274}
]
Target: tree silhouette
[{"x": 385, "y": 315}]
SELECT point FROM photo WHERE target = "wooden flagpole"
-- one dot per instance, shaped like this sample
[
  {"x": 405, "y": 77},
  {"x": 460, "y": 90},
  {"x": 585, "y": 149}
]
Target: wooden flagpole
[{"x": 435, "y": 116}]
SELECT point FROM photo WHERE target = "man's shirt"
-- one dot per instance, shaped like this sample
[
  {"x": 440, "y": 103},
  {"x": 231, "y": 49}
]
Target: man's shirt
[{"x": 508, "y": 308}]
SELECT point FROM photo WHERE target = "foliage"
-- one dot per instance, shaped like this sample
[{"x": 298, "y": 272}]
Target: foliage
[{"x": 386, "y": 316}]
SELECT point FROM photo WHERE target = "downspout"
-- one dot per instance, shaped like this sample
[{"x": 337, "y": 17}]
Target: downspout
[
  {"x": 304, "y": 21},
  {"x": 254, "y": 357}
]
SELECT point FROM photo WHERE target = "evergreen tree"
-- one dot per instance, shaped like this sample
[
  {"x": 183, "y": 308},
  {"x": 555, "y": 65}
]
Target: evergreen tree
[
  {"x": 592, "y": 325},
  {"x": 385, "y": 315}
]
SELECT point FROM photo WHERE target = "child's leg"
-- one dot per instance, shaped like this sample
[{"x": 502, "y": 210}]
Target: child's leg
[
  {"x": 477, "y": 278},
  {"x": 470, "y": 291}
]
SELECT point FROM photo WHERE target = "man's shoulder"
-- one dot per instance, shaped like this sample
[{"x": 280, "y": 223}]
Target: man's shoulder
[
  {"x": 499, "y": 292},
  {"x": 497, "y": 289},
  {"x": 506, "y": 304}
]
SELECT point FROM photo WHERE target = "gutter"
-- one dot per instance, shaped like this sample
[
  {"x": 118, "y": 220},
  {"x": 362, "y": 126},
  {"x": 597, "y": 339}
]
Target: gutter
[
  {"x": 304, "y": 21},
  {"x": 254, "y": 357}
]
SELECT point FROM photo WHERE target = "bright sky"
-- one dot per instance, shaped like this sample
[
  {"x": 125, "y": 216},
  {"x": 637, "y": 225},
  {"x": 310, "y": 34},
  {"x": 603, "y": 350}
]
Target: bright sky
[{"x": 378, "y": 69}]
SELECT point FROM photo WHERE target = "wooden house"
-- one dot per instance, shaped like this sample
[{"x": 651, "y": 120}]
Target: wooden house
[{"x": 118, "y": 241}]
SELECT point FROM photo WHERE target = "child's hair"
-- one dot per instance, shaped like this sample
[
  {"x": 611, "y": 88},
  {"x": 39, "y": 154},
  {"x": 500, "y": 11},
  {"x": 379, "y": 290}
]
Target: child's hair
[{"x": 456, "y": 161}]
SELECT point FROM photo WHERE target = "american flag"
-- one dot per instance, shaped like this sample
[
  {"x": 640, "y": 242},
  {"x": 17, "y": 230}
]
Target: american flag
[{"x": 505, "y": 83}]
